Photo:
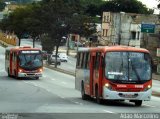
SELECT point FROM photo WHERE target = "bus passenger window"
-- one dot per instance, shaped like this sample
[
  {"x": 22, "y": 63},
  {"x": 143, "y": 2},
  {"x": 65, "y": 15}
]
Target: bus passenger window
[
  {"x": 87, "y": 61},
  {"x": 78, "y": 59},
  {"x": 82, "y": 60}
]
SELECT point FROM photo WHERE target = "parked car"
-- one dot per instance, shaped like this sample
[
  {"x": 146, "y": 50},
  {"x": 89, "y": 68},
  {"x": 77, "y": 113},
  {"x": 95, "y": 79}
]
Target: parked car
[
  {"x": 52, "y": 59},
  {"x": 63, "y": 57}
]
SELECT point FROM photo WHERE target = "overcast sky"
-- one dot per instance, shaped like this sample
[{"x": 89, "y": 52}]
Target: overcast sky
[{"x": 151, "y": 4}]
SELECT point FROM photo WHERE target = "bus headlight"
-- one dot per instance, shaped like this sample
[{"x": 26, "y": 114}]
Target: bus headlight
[
  {"x": 40, "y": 70},
  {"x": 107, "y": 85},
  {"x": 147, "y": 88},
  {"x": 20, "y": 70}
]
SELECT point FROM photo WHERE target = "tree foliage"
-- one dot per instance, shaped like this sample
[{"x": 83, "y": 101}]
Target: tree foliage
[
  {"x": 51, "y": 19},
  {"x": 130, "y": 6},
  {"x": 2, "y": 5}
]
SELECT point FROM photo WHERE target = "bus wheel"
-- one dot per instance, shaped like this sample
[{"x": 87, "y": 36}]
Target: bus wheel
[
  {"x": 16, "y": 75},
  {"x": 84, "y": 96},
  {"x": 138, "y": 102},
  {"x": 9, "y": 73},
  {"x": 98, "y": 100},
  {"x": 36, "y": 78}
]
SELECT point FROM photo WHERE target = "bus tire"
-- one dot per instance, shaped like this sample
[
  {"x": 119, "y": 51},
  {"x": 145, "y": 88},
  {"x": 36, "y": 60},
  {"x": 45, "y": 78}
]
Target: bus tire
[
  {"x": 37, "y": 78},
  {"x": 98, "y": 100},
  {"x": 9, "y": 73},
  {"x": 138, "y": 102},
  {"x": 16, "y": 75},
  {"x": 84, "y": 96}
]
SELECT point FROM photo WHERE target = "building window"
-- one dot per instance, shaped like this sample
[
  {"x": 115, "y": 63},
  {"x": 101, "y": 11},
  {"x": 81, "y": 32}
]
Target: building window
[
  {"x": 106, "y": 32},
  {"x": 138, "y": 35},
  {"x": 104, "y": 19},
  {"x": 133, "y": 35},
  {"x": 107, "y": 18},
  {"x": 103, "y": 32}
]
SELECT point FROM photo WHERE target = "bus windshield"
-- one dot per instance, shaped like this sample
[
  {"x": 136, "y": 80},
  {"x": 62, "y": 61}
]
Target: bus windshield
[
  {"x": 128, "y": 66},
  {"x": 30, "y": 61}
]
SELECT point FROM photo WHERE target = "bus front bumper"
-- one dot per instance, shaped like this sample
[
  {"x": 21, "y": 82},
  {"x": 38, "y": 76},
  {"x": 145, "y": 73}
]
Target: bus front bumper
[
  {"x": 29, "y": 74},
  {"x": 115, "y": 95}
]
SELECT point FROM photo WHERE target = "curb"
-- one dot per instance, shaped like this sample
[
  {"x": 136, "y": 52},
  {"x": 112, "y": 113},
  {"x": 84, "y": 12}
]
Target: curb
[{"x": 60, "y": 70}]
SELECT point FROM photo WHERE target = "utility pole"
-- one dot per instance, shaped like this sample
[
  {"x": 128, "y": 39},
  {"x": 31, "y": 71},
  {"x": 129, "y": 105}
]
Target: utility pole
[
  {"x": 78, "y": 42},
  {"x": 68, "y": 44},
  {"x": 119, "y": 37}
]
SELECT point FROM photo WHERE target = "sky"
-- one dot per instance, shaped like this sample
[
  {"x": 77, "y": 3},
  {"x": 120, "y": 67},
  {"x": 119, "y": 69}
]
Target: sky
[{"x": 151, "y": 4}]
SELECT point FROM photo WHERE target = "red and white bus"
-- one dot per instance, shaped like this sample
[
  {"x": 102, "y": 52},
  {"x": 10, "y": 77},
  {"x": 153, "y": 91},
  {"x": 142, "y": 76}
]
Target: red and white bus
[
  {"x": 114, "y": 73},
  {"x": 23, "y": 62}
]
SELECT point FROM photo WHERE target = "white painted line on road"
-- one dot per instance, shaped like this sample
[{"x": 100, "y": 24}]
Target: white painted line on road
[
  {"x": 64, "y": 83},
  {"x": 108, "y": 111},
  {"x": 34, "y": 84},
  {"x": 76, "y": 102},
  {"x": 60, "y": 96},
  {"x": 47, "y": 90},
  {"x": 81, "y": 103},
  {"x": 53, "y": 79},
  {"x": 148, "y": 105},
  {"x": 44, "y": 76}
]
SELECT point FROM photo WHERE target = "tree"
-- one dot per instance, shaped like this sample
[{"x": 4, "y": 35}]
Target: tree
[
  {"x": 15, "y": 22},
  {"x": 2, "y": 5},
  {"x": 61, "y": 17},
  {"x": 23, "y": 21},
  {"x": 33, "y": 23},
  {"x": 130, "y": 6},
  {"x": 51, "y": 19}
]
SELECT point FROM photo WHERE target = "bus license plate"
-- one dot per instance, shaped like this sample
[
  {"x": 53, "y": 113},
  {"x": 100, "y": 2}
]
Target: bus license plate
[{"x": 129, "y": 96}]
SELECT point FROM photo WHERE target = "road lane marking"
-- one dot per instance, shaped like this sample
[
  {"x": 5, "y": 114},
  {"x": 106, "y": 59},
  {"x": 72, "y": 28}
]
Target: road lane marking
[
  {"x": 53, "y": 79},
  {"x": 76, "y": 102},
  {"x": 64, "y": 83},
  {"x": 31, "y": 83},
  {"x": 108, "y": 111},
  {"x": 148, "y": 105},
  {"x": 44, "y": 76},
  {"x": 60, "y": 96}
]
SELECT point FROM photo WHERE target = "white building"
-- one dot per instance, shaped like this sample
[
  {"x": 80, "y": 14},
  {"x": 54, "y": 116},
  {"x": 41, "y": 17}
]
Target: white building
[{"x": 125, "y": 28}]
